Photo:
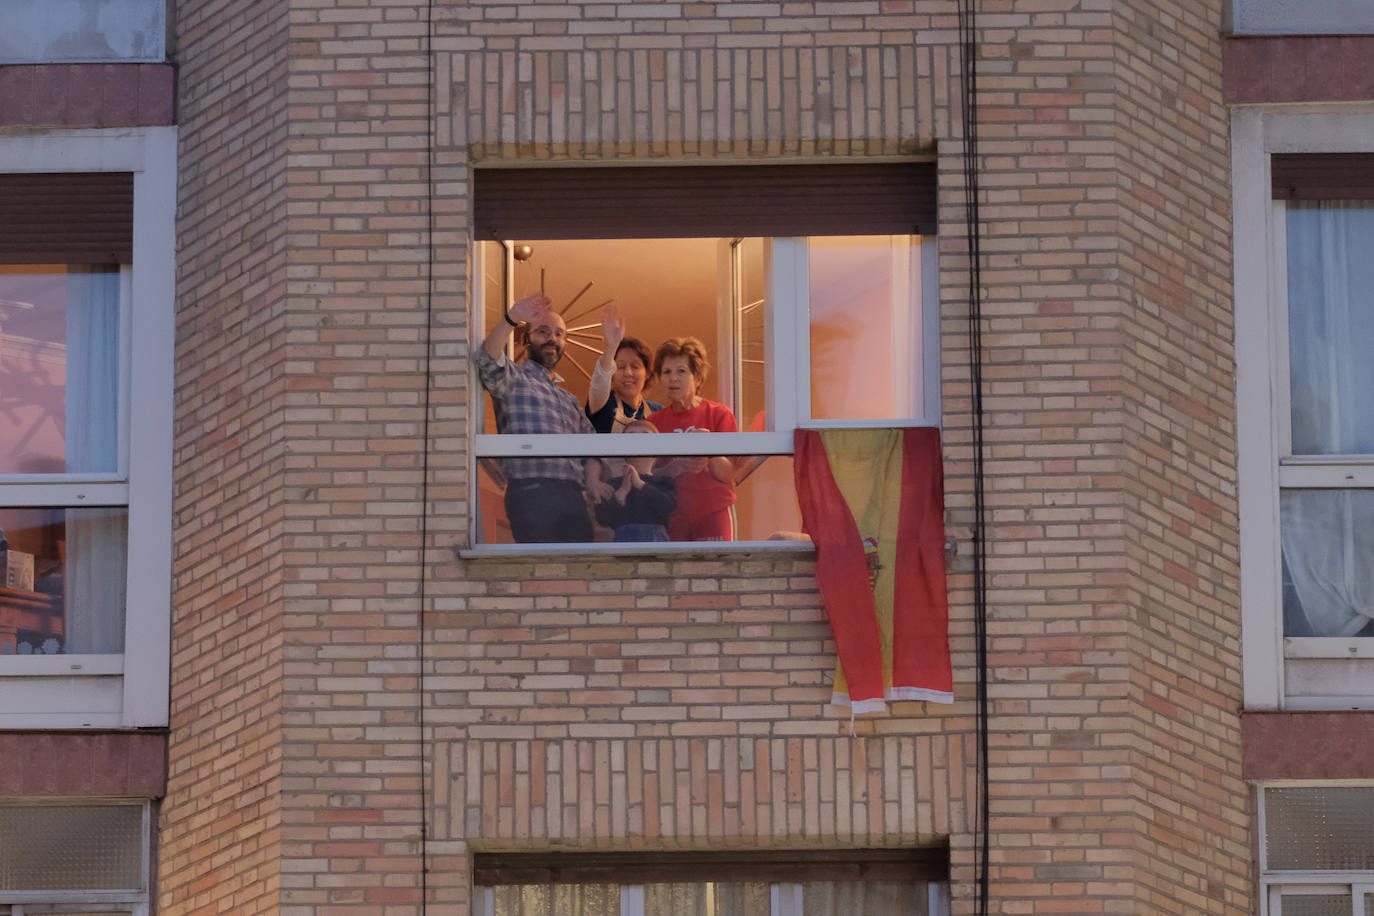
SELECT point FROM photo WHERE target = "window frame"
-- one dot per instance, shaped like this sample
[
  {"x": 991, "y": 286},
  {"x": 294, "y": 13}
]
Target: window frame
[
  {"x": 1260, "y": 294},
  {"x": 789, "y": 379},
  {"x": 1274, "y": 882},
  {"x": 129, "y": 689},
  {"x": 785, "y": 899},
  {"x": 134, "y": 900}
]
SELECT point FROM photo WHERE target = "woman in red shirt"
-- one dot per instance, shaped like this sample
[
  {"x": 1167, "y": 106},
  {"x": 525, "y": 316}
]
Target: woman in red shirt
[{"x": 705, "y": 486}]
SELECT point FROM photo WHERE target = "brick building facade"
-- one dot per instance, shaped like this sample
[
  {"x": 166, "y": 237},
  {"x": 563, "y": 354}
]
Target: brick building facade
[
  {"x": 362, "y": 702},
  {"x": 674, "y": 702}
]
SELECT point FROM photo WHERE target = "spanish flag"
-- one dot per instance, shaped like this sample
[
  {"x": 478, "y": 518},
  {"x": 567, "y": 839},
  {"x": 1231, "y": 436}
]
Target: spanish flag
[{"x": 873, "y": 502}]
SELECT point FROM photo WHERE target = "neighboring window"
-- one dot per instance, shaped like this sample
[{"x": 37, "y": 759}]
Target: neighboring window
[
  {"x": 71, "y": 31},
  {"x": 832, "y": 883},
  {"x": 1302, "y": 17},
  {"x": 1304, "y": 312},
  {"x": 74, "y": 858},
  {"x": 1327, "y": 525},
  {"x": 85, "y": 401},
  {"x": 61, "y": 353},
  {"x": 1317, "y": 856},
  {"x": 831, "y": 324}
]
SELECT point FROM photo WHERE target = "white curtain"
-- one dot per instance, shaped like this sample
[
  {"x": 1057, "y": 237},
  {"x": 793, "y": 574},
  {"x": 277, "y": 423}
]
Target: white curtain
[
  {"x": 1328, "y": 535},
  {"x": 557, "y": 900},
  {"x": 96, "y": 539}
]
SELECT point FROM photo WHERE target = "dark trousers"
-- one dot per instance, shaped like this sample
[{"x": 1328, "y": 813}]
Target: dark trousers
[{"x": 544, "y": 510}]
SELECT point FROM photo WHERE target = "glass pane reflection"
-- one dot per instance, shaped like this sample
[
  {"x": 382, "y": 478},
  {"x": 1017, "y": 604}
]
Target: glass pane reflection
[
  {"x": 64, "y": 584},
  {"x": 764, "y": 507},
  {"x": 59, "y": 369},
  {"x": 865, "y": 327}
]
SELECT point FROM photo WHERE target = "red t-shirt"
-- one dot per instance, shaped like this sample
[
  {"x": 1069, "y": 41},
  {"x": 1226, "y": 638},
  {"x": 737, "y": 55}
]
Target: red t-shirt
[{"x": 698, "y": 492}]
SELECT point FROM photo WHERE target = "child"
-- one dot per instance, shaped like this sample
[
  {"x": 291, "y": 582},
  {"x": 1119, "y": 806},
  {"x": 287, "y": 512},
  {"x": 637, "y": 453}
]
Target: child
[{"x": 639, "y": 508}]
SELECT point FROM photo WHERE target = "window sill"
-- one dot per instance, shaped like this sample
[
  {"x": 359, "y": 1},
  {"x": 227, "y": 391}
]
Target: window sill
[
  {"x": 1328, "y": 647},
  {"x": 61, "y": 665},
  {"x": 611, "y": 550}
]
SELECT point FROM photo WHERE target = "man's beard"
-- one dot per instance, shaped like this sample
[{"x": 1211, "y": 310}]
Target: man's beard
[{"x": 547, "y": 355}]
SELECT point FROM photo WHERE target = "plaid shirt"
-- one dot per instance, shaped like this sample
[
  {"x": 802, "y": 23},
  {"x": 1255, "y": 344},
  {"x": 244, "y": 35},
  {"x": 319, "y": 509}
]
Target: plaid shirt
[{"x": 529, "y": 402}]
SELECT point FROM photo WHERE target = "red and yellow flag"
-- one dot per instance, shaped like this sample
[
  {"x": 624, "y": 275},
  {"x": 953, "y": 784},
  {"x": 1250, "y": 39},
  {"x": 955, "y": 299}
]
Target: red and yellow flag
[{"x": 873, "y": 502}]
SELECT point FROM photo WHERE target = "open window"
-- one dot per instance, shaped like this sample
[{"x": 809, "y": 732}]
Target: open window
[
  {"x": 85, "y": 428},
  {"x": 811, "y": 289}
]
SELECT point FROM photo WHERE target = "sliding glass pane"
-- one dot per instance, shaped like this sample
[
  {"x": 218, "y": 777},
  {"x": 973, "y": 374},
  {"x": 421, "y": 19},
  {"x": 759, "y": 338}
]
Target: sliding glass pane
[
  {"x": 865, "y": 327},
  {"x": 59, "y": 369},
  {"x": 1328, "y": 576},
  {"x": 719, "y": 498},
  {"x": 64, "y": 580},
  {"x": 1330, "y": 323}
]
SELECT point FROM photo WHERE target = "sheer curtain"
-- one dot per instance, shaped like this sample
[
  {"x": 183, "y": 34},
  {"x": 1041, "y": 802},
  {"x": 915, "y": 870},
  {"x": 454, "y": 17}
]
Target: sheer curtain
[
  {"x": 1328, "y": 534},
  {"x": 863, "y": 898},
  {"x": 96, "y": 539}
]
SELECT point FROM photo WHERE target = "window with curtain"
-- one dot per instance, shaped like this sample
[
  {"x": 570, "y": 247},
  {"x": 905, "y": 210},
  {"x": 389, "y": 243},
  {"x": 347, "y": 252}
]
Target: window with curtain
[
  {"x": 1326, "y": 508},
  {"x": 87, "y": 334},
  {"x": 838, "y": 882},
  {"x": 711, "y": 898},
  {"x": 60, "y": 381}
]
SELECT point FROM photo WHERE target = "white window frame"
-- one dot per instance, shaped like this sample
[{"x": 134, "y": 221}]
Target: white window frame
[
  {"x": 788, "y": 341},
  {"x": 129, "y": 689},
  {"x": 121, "y": 900},
  {"x": 785, "y": 899},
  {"x": 1263, "y": 459},
  {"x": 1275, "y": 883}
]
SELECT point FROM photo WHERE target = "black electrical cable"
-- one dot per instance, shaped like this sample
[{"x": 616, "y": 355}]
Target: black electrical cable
[
  {"x": 968, "y": 48},
  {"x": 426, "y": 770}
]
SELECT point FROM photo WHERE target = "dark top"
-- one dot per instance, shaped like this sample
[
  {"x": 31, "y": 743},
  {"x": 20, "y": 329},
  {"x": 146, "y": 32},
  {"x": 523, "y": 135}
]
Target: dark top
[
  {"x": 650, "y": 504},
  {"x": 604, "y": 419}
]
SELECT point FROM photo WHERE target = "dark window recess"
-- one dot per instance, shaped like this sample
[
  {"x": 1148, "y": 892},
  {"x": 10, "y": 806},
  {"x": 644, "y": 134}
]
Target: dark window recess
[
  {"x": 705, "y": 201},
  {"x": 67, "y": 218},
  {"x": 1322, "y": 176},
  {"x": 492, "y": 869}
]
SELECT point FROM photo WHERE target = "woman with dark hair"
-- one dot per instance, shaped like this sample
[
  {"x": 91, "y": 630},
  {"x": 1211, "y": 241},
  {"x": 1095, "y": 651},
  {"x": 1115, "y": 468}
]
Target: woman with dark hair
[
  {"x": 706, "y": 487},
  {"x": 616, "y": 391}
]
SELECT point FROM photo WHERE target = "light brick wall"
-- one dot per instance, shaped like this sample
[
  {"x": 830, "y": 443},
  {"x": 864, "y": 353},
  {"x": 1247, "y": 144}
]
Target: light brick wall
[
  {"x": 1192, "y": 808},
  {"x": 219, "y": 843},
  {"x": 683, "y": 703},
  {"x": 674, "y": 704}
]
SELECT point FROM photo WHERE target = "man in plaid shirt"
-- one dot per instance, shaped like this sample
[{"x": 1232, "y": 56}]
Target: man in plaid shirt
[{"x": 545, "y": 497}]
